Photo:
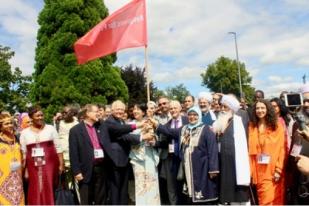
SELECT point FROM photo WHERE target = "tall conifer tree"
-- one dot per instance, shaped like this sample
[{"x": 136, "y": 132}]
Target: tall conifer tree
[{"x": 58, "y": 80}]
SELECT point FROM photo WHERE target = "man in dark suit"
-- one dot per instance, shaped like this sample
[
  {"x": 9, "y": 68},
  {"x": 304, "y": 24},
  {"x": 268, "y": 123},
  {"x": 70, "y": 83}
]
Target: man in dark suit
[
  {"x": 90, "y": 153},
  {"x": 169, "y": 166},
  {"x": 119, "y": 154},
  {"x": 87, "y": 158}
]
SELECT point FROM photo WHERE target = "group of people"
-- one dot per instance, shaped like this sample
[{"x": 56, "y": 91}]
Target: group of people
[{"x": 213, "y": 150}]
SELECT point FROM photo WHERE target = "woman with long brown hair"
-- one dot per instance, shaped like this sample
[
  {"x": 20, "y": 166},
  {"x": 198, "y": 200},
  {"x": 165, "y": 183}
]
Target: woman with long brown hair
[{"x": 267, "y": 154}]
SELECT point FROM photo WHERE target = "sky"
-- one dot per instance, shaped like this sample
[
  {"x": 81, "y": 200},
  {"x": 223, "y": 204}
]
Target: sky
[{"x": 186, "y": 36}]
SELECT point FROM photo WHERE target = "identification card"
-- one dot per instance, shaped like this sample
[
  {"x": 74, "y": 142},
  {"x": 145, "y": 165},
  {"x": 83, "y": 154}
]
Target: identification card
[
  {"x": 38, "y": 152},
  {"x": 14, "y": 166},
  {"x": 263, "y": 159},
  {"x": 296, "y": 150},
  {"x": 98, "y": 153},
  {"x": 171, "y": 147}
]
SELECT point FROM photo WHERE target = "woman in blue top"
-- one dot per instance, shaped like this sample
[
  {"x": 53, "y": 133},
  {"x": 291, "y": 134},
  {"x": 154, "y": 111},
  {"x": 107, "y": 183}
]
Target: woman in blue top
[{"x": 144, "y": 160}]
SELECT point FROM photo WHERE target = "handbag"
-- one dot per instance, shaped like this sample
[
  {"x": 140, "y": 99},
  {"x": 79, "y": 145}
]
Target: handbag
[{"x": 64, "y": 196}]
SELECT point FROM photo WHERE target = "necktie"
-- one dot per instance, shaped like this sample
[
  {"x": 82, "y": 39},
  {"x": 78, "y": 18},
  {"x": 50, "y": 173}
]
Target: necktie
[{"x": 176, "y": 123}]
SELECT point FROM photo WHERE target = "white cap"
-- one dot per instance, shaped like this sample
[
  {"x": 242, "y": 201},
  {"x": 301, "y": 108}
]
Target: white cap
[
  {"x": 231, "y": 102},
  {"x": 205, "y": 95}
]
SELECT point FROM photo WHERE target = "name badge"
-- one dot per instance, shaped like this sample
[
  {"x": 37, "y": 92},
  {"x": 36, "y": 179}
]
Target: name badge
[
  {"x": 263, "y": 159},
  {"x": 38, "y": 152},
  {"x": 296, "y": 150},
  {"x": 14, "y": 166},
  {"x": 171, "y": 147},
  {"x": 98, "y": 153}
]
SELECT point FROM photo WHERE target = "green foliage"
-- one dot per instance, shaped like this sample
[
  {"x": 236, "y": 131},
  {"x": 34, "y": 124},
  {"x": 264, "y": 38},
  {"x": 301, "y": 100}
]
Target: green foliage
[
  {"x": 179, "y": 92},
  {"x": 14, "y": 87},
  {"x": 137, "y": 85},
  {"x": 222, "y": 76},
  {"x": 58, "y": 80}
]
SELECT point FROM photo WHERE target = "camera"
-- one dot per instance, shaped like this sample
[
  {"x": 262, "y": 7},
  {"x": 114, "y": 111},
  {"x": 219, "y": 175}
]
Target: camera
[{"x": 293, "y": 99}]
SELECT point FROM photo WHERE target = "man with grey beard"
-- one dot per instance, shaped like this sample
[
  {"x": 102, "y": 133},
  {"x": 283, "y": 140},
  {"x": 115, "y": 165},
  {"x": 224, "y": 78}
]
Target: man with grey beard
[
  {"x": 233, "y": 153},
  {"x": 204, "y": 102}
]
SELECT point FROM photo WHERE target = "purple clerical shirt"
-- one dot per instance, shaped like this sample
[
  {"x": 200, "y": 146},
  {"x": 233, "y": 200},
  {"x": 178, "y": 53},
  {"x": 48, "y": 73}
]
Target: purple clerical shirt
[{"x": 93, "y": 136}]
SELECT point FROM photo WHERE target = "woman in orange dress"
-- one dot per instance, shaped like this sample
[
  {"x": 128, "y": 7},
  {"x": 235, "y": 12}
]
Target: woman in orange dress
[{"x": 267, "y": 154}]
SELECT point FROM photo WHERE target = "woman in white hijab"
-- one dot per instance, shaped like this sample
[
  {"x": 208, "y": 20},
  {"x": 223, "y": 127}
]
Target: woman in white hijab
[{"x": 199, "y": 155}]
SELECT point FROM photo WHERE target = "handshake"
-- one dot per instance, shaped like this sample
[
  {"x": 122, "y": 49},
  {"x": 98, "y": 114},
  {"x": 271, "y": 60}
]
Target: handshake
[{"x": 148, "y": 127}]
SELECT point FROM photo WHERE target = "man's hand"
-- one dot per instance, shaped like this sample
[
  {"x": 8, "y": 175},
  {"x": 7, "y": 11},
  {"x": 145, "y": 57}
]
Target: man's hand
[
  {"x": 304, "y": 133},
  {"x": 153, "y": 122},
  {"x": 61, "y": 168},
  {"x": 79, "y": 177},
  {"x": 303, "y": 164},
  {"x": 213, "y": 175}
]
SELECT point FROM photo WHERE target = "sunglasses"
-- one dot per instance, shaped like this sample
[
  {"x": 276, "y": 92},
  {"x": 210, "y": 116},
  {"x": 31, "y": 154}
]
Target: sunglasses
[{"x": 163, "y": 103}]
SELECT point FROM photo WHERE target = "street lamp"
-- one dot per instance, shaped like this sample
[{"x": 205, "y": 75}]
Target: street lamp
[{"x": 239, "y": 76}]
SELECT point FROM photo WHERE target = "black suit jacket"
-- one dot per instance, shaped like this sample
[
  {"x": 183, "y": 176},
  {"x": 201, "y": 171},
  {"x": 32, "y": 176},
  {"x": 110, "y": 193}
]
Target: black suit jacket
[
  {"x": 81, "y": 151},
  {"x": 171, "y": 133},
  {"x": 119, "y": 144},
  {"x": 81, "y": 148}
]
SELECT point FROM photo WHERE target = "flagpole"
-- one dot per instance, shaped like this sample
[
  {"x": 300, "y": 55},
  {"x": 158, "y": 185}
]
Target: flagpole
[{"x": 147, "y": 73}]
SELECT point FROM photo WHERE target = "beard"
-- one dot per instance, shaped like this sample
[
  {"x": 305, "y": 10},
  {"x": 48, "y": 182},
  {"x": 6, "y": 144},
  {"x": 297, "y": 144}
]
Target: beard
[{"x": 222, "y": 122}]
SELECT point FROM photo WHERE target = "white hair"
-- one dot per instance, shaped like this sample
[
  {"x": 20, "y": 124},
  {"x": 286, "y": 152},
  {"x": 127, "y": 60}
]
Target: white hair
[
  {"x": 205, "y": 95},
  {"x": 222, "y": 122}
]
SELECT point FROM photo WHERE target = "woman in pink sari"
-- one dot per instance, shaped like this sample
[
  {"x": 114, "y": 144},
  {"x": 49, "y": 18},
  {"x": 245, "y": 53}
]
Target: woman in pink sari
[{"x": 43, "y": 158}]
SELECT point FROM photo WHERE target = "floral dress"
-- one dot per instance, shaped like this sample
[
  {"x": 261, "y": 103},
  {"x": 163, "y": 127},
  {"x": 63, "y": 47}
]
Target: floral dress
[
  {"x": 11, "y": 184},
  {"x": 144, "y": 160}
]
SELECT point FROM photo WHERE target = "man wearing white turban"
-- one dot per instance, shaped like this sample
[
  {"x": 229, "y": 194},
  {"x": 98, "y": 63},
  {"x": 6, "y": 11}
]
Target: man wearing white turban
[
  {"x": 233, "y": 154},
  {"x": 204, "y": 102}
]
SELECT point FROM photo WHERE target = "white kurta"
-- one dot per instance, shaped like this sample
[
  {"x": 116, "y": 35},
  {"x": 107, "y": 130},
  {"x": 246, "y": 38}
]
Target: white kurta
[{"x": 48, "y": 133}]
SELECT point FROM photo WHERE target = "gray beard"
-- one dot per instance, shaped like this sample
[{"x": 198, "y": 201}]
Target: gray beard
[{"x": 222, "y": 122}]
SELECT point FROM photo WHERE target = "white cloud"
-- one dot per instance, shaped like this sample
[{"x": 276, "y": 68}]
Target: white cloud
[
  {"x": 274, "y": 90},
  {"x": 278, "y": 79},
  {"x": 19, "y": 20},
  {"x": 178, "y": 74},
  {"x": 186, "y": 36}
]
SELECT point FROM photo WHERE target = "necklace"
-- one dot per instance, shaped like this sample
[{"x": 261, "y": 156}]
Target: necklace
[{"x": 7, "y": 139}]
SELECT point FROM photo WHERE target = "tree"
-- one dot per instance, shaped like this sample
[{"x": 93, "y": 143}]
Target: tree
[
  {"x": 179, "y": 92},
  {"x": 58, "y": 80},
  {"x": 14, "y": 87},
  {"x": 222, "y": 76},
  {"x": 137, "y": 85}
]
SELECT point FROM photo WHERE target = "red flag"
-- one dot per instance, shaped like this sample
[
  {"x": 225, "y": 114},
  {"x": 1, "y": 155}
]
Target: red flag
[{"x": 125, "y": 28}]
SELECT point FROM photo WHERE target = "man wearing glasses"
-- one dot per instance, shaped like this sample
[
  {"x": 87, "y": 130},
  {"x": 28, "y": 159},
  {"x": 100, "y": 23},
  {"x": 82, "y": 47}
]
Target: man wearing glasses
[{"x": 167, "y": 187}]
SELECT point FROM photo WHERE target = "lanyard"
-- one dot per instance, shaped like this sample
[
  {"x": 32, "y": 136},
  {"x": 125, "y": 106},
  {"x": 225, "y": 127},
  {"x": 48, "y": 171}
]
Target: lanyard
[{"x": 261, "y": 146}]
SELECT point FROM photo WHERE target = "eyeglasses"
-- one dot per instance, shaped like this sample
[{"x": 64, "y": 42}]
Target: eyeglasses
[{"x": 163, "y": 103}]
